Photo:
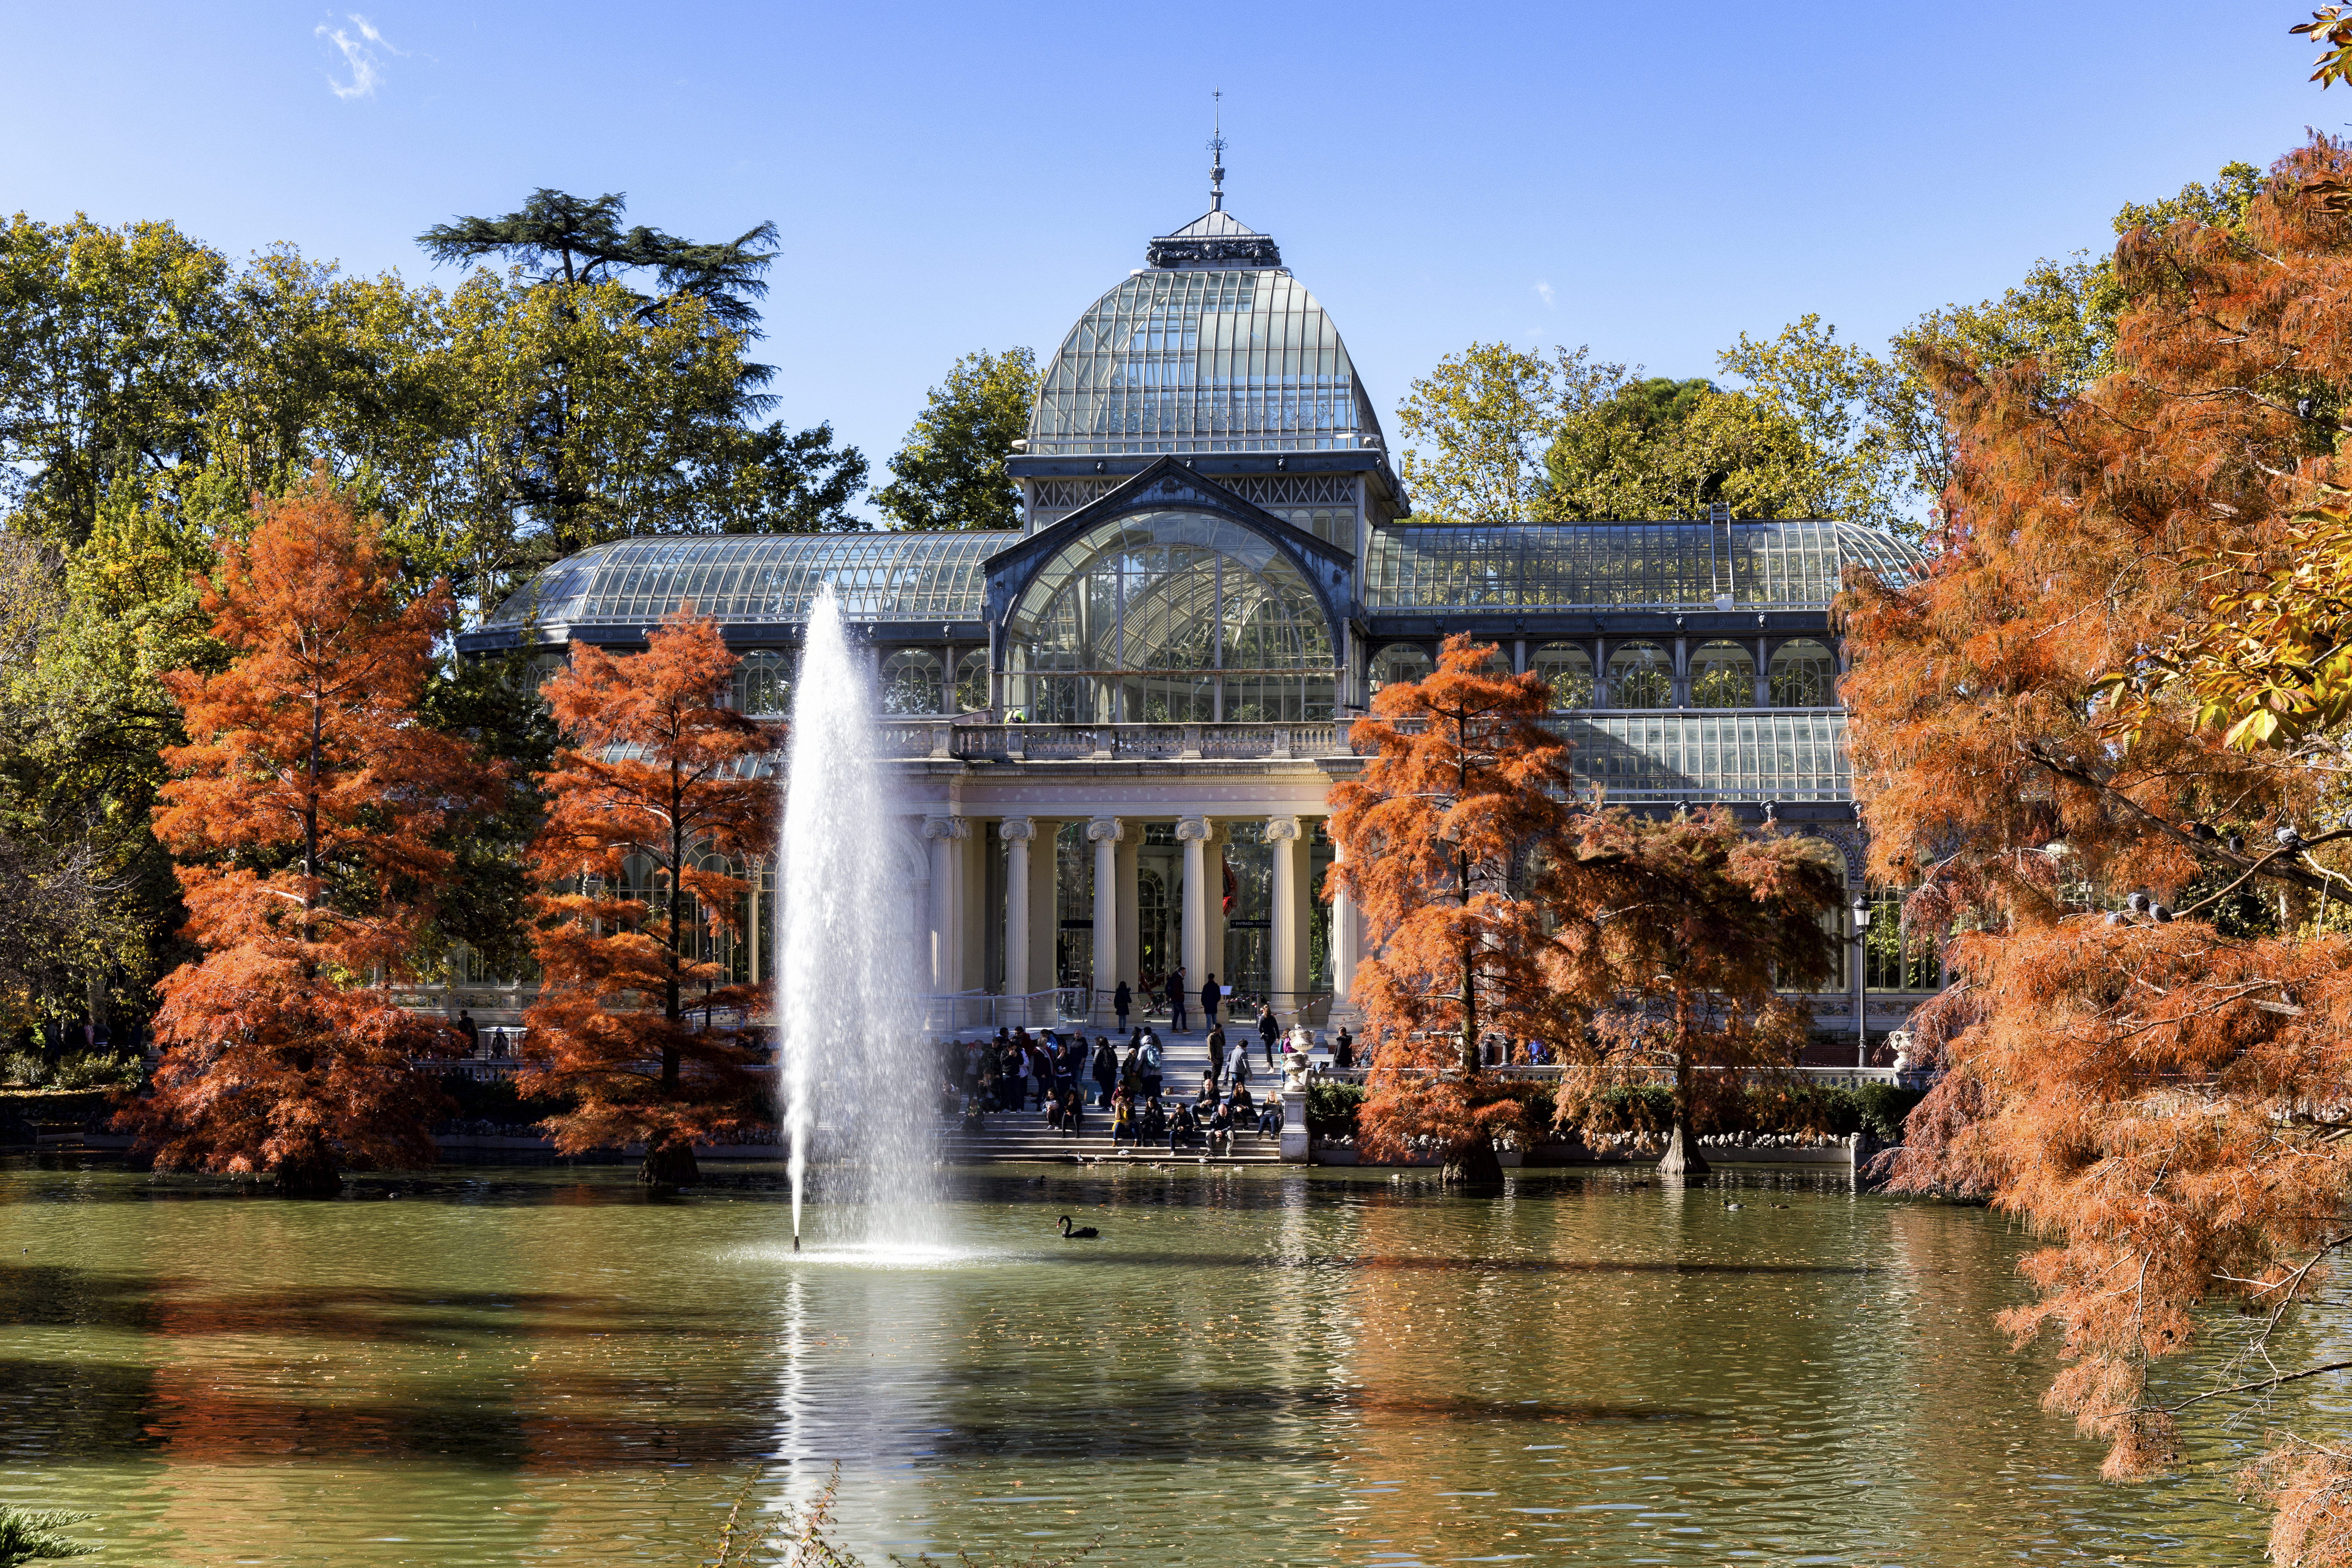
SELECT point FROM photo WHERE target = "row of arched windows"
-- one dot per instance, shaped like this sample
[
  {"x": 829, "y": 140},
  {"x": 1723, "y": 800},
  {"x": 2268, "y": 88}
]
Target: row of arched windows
[{"x": 1641, "y": 674}]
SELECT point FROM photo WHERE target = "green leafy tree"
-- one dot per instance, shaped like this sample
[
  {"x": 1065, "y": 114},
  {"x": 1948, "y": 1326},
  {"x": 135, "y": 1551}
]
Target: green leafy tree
[
  {"x": 84, "y": 717},
  {"x": 599, "y": 409},
  {"x": 1663, "y": 448},
  {"x": 1477, "y": 425},
  {"x": 949, "y": 472},
  {"x": 110, "y": 341}
]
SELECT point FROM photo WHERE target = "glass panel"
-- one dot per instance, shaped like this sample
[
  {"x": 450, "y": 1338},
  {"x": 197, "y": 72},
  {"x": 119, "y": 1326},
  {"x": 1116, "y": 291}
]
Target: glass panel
[
  {"x": 1567, "y": 668},
  {"x": 910, "y": 681},
  {"x": 1804, "y": 675},
  {"x": 1399, "y": 661},
  {"x": 764, "y": 684},
  {"x": 971, "y": 681},
  {"x": 1678, "y": 565},
  {"x": 1641, "y": 675},
  {"x": 1722, "y": 675},
  {"x": 876, "y": 576}
]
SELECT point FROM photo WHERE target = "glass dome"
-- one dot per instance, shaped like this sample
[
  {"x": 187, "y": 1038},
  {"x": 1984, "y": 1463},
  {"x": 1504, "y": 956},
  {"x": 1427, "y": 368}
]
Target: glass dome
[
  {"x": 1169, "y": 618},
  {"x": 761, "y": 577},
  {"x": 1665, "y": 565},
  {"x": 1202, "y": 357}
]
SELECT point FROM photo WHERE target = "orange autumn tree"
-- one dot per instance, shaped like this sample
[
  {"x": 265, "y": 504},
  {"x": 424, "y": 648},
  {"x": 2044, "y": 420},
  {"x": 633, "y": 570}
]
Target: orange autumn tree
[
  {"x": 1690, "y": 926},
  {"x": 657, "y": 775},
  {"x": 1448, "y": 844},
  {"x": 2147, "y": 1039},
  {"x": 302, "y": 821}
]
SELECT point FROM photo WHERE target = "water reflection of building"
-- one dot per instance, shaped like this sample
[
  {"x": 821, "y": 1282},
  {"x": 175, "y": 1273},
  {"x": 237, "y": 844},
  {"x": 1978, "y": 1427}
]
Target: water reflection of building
[{"x": 1116, "y": 727}]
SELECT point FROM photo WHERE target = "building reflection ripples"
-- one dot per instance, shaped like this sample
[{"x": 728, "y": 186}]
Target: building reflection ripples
[{"x": 531, "y": 1366}]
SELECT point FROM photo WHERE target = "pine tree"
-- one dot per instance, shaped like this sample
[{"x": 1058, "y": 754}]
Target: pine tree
[
  {"x": 630, "y": 1019},
  {"x": 303, "y": 820}
]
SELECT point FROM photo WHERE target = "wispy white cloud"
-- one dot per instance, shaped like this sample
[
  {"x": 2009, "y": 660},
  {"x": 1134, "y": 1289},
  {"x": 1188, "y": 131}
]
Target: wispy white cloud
[
  {"x": 1543, "y": 292},
  {"x": 358, "y": 45}
]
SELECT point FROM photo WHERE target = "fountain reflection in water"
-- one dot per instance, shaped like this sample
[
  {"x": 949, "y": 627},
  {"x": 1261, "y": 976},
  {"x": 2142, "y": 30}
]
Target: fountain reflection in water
[{"x": 857, "y": 1089}]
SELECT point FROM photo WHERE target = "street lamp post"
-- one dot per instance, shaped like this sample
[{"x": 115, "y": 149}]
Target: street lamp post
[{"x": 1861, "y": 987}]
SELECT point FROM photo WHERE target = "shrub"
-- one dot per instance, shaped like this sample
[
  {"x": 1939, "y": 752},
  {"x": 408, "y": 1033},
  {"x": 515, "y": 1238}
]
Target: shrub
[
  {"x": 1331, "y": 1109},
  {"x": 24, "y": 1068},
  {"x": 101, "y": 1069},
  {"x": 495, "y": 1101},
  {"x": 1884, "y": 1108},
  {"x": 1634, "y": 1108}
]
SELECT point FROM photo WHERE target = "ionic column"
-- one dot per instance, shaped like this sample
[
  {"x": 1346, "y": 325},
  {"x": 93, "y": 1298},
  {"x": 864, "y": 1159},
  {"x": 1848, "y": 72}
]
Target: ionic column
[
  {"x": 1343, "y": 946},
  {"x": 1193, "y": 833},
  {"x": 1016, "y": 831},
  {"x": 1102, "y": 833},
  {"x": 942, "y": 834},
  {"x": 1282, "y": 839},
  {"x": 1130, "y": 961}
]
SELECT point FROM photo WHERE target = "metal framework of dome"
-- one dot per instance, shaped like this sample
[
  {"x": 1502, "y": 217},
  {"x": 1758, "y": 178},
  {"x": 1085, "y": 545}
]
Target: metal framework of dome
[
  {"x": 1616, "y": 565},
  {"x": 765, "y": 578}
]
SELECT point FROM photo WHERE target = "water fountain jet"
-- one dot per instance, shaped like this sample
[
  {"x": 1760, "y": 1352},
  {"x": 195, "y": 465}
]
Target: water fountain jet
[{"x": 856, "y": 1080}]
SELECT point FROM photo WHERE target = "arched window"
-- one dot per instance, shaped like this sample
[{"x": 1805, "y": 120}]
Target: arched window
[
  {"x": 1399, "y": 663},
  {"x": 910, "y": 681},
  {"x": 1567, "y": 668},
  {"x": 1497, "y": 665},
  {"x": 1170, "y": 617},
  {"x": 1641, "y": 675},
  {"x": 1804, "y": 675},
  {"x": 764, "y": 685},
  {"x": 971, "y": 681},
  {"x": 1722, "y": 675}
]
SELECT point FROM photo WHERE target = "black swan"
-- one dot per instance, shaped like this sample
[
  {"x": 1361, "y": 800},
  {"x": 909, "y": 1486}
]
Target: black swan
[{"x": 1084, "y": 1232}]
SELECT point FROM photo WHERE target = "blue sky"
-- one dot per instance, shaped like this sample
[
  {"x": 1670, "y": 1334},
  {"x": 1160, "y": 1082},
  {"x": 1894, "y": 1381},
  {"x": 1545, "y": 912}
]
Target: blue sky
[{"x": 1652, "y": 181}]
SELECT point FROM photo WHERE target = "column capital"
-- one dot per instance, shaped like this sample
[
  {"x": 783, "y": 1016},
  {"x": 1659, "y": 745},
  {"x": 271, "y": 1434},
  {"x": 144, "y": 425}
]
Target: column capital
[
  {"x": 946, "y": 828},
  {"x": 1279, "y": 828},
  {"x": 1195, "y": 829},
  {"x": 1020, "y": 829},
  {"x": 1104, "y": 830}
]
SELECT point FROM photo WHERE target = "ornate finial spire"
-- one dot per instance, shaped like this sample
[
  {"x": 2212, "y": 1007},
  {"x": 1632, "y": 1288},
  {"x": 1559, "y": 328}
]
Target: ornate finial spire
[{"x": 1217, "y": 155}]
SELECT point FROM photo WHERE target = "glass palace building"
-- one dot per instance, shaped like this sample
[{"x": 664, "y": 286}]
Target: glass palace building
[{"x": 1112, "y": 731}]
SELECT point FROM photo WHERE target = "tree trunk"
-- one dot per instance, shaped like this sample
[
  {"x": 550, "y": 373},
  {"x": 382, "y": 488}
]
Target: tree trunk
[
  {"x": 1474, "y": 1164},
  {"x": 1682, "y": 1156},
  {"x": 668, "y": 1166},
  {"x": 310, "y": 1174}
]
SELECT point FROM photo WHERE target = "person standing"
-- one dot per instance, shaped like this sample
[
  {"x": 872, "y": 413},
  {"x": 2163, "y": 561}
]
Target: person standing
[
  {"x": 1217, "y": 1052},
  {"x": 1268, "y": 1029},
  {"x": 1106, "y": 1070},
  {"x": 1210, "y": 994},
  {"x": 1176, "y": 999},
  {"x": 1151, "y": 1055},
  {"x": 1343, "y": 1051},
  {"x": 1120, "y": 1001}
]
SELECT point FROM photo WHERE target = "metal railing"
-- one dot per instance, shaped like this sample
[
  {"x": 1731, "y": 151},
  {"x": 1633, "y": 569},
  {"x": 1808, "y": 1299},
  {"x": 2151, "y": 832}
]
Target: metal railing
[{"x": 966, "y": 1010}]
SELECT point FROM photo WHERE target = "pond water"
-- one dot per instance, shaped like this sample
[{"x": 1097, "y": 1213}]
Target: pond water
[{"x": 512, "y": 1366}]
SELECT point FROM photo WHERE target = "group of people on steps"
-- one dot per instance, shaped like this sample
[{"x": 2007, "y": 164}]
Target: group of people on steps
[{"x": 1051, "y": 1071}]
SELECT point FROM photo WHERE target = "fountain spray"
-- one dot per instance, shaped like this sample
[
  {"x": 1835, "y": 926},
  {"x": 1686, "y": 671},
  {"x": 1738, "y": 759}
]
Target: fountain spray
[{"x": 856, "y": 1078}]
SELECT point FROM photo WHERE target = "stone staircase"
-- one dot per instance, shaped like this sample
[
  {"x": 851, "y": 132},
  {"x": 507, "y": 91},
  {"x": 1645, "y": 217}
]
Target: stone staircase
[{"x": 1023, "y": 1135}]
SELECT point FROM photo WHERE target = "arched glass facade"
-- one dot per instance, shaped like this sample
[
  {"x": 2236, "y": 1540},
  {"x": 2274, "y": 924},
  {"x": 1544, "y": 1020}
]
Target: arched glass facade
[
  {"x": 1722, "y": 675},
  {"x": 1169, "y": 618},
  {"x": 1804, "y": 675},
  {"x": 1568, "y": 670},
  {"x": 1641, "y": 675}
]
